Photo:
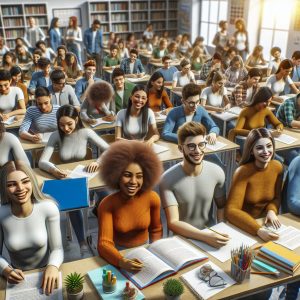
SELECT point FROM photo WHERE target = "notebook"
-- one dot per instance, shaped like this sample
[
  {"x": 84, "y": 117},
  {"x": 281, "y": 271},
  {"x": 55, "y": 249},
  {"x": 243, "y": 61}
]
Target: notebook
[
  {"x": 70, "y": 193},
  {"x": 96, "y": 278},
  {"x": 80, "y": 171},
  {"x": 161, "y": 259},
  {"x": 159, "y": 148},
  {"x": 9, "y": 121},
  {"x": 100, "y": 121}
]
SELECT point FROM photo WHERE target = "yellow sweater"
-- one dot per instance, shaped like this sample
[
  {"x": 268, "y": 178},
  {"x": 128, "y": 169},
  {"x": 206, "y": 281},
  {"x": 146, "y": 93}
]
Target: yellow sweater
[{"x": 253, "y": 193}]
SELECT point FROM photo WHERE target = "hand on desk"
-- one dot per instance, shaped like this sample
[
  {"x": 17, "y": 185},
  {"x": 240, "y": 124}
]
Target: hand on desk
[
  {"x": 216, "y": 240},
  {"x": 92, "y": 167},
  {"x": 276, "y": 132},
  {"x": 91, "y": 121},
  {"x": 267, "y": 235},
  {"x": 4, "y": 117},
  {"x": 13, "y": 276},
  {"x": 211, "y": 138},
  {"x": 273, "y": 219},
  {"x": 59, "y": 174},
  {"x": 36, "y": 138},
  {"x": 109, "y": 118},
  {"x": 50, "y": 279},
  {"x": 131, "y": 265}
]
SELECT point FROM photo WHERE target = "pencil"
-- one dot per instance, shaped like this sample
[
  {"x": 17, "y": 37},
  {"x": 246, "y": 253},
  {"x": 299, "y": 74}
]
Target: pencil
[
  {"x": 136, "y": 262},
  {"x": 216, "y": 232},
  {"x": 264, "y": 273}
]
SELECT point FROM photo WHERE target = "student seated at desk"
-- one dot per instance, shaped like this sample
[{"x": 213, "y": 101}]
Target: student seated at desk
[
  {"x": 17, "y": 80},
  {"x": 244, "y": 92},
  {"x": 129, "y": 217},
  {"x": 255, "y": 58},
  {"x": 173, "y": 51},
  {"x": 183, "y": 77},
  {"x": 236, "y": 72},
  {"x": 30, "y": 227},
  {"x": 184, "y": 44},
  {"x": 96, "y": 104},
  {"x": 62, "y": 93},
  {"x": 131, "y": 42},
  {"x": 71, "y": 140},
  {"x": 112, "y": 60},
  {"x": 132, "y": 66},
  {"x": 214, "y": 96},
  {"x": 88, "y": 78},
  {"x": 295, "y": 74},
  {"x": 33, "y": 67},
  {"x": 190, "y": 110},
  {"x": 23, "y": 56},
  {"x": 145, "y": 45},
  {"x": 9, "y": 60},
  {"x": 46, "y": 51},
  {"x": 213, "y": 63},
  {"x": 277, "y": 81},
  {"x": 40, "y": 118},
  {"x": 255, "y": 114},
  {"x": 187, "y": 189},
  {"x": 11, "y": 97},
  {"x": 167, "y": 70},
  {"x": 40, "y": 78},
  {"x": 274, "y": 63},
  {"x": 122, "y": 50},
  {"x": 137, "y": 122},
  {"x": 228, "y": 56},
  {"x": 197, "y": 59},
  {"x": 10, "y": 145},
  {"x": 157, "y": 94},
  {"x": 122, "y": 89},
  {"x": 72, "y": 68},
  {"x": 160, "y": 52},
  {"x": 60, "y": 60},
  {"x": 256, "y": 186}
]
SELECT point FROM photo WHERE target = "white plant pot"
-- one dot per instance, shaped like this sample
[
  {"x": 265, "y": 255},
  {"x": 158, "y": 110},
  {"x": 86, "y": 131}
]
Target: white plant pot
[
  {"x": 167, "y": 297},
  {"x": 77, "y": 296}
]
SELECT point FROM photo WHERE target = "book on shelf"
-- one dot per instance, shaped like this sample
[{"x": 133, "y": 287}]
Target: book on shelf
[
  {"x": 279, "y": 257},
  {"x": 162, "y": 259},
  {"x": 12, "y": 10},
  {"x": 99, "y": 7},
  {"x": 35, "y": 9}
]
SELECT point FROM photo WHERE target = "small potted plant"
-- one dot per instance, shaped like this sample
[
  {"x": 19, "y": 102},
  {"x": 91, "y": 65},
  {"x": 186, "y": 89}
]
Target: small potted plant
[
  {"x": 74, "y": 285},
  {"x": 173, "y": 289}
]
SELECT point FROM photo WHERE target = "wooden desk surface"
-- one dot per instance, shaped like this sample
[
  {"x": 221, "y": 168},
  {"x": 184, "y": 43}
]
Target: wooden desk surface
[
  {"x": 157, "y": 64},
  {"x": 171, "y": 155},
  {"x": 256, "y": 283},
  {"x": 292, "y": 132},
  {"x": 145, "y": 78},
  {"x": 14, "y": 125}
]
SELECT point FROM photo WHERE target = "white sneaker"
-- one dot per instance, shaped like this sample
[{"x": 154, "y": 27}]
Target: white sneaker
[{"x": 85, "y": 251}]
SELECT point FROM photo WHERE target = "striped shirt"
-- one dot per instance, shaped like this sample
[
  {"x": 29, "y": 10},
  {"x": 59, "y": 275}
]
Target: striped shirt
[{"x": 37, "y": 122}]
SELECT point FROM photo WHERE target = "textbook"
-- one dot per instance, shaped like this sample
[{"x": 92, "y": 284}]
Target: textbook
[
  {"x": 263, "y": 267},
  {"x": 96, "y": 278},
  {"x": 70, "y": 193},
  {"x": 279, "y": 257},
  {"x": 161, "y": 259}
]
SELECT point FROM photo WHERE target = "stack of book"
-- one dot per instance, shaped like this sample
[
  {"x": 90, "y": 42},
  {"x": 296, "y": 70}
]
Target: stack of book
[{"x": 279, "y": 257}]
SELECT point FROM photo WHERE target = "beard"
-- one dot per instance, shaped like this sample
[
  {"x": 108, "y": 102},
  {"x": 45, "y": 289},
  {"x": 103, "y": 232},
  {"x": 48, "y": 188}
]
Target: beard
[{"x": 192, "y": 162}]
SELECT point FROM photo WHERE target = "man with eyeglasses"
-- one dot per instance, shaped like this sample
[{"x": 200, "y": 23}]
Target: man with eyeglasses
[
  {"x": 61, "y": 93},
  {"x": 132, "y": 66},
  {"x": 167, "y": 70},
  {"x": 188, "y": 189},
  {"x": 190, "y": 110}
]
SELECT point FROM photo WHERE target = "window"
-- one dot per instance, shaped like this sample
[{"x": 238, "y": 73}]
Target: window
[
  {"x": 212, "y": 12},
  {"x": 275, "y": 23}
]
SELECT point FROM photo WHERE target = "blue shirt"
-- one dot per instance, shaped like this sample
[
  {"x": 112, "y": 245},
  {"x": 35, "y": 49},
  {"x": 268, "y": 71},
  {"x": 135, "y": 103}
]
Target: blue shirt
[
  {"x": 38, "y": 79},
  {"x": 176, "y": 117},
  {"x": 88, "y": 41},
  {"x": 168, "y": 73},
  {"x": 137, "y": 68}
]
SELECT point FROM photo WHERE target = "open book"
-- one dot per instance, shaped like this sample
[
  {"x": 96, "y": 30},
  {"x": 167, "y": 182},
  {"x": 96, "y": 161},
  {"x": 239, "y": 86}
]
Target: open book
[
  {"x": 162, "y": 259},
  {"x": 10, "y": 121},
  {"x": 100, "y": 121}
]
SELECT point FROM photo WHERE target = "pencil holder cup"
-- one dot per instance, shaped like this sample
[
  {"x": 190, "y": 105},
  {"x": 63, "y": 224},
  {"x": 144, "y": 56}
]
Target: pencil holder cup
[
  {"x": 109, "y": 288},
  {"x": 238, "y": 274}
]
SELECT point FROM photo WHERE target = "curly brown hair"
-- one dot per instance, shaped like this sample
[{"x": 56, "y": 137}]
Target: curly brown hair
[
  {"x": 122, "y": 153},
  {"x": 100, "y": 91}
]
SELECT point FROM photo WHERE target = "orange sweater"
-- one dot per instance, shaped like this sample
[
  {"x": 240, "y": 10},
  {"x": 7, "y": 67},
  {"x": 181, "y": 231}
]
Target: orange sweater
[
  {"x": 250, "y": 118},
  {"x": 253, "y": 193},
  {"x": 155, "y": 103},
  {"x": 128, "y": 223}
]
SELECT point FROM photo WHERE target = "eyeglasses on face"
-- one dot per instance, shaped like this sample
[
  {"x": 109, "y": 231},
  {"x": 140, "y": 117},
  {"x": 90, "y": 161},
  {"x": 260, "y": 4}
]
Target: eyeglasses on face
[
  {"x": 210, "y": 276},
  {"x": 192, "y": 103},
  {"x": 192, "y": 146}
]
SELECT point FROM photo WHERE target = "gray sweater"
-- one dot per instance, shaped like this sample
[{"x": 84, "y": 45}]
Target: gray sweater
[{"x": 72, "y": 148}]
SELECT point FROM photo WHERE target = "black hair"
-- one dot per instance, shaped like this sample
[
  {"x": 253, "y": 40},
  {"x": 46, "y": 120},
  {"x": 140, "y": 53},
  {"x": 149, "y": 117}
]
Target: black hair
[
  {"x": 134, "y": 51},
  {"x": 43, "y": 62},
  {"x": 96, "y": 22},
  {"x": 2, "y": 128},
  {"x": 57, "y": 75},
  {"x": 5, "y": 75},
  {"x": 41, "y": 91},
  {"x": 117, "y": 72},
  {"x": 275, "y": 49},
  {"x": 262, "y": 95},
  {"x": 39, "y": 43},
  {"x": 15, "y": 70},
  {"x": 254, "y": 72},
  {"x": 154, "y": 77},
  {"x": 296, "y": 55},
  {"x": 70, "y": 111}
]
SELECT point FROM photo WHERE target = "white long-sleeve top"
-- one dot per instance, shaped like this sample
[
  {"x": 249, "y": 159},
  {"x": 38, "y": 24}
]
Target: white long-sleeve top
[
  {"x": 32, "y": 242},
  {"x": 76, "y": 34},
  {"x": 9, "y": 144},
  {"x": 72, "y": 148}
]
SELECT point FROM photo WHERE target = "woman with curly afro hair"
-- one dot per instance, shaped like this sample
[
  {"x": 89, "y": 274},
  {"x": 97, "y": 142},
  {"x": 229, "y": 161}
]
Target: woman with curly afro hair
[{"x": 131, "y": 216}]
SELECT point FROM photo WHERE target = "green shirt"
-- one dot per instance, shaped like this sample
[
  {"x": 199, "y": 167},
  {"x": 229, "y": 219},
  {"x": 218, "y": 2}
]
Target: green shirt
[
  {"x": 110, "y": 61},
  {"x": 119, "y": 103}
]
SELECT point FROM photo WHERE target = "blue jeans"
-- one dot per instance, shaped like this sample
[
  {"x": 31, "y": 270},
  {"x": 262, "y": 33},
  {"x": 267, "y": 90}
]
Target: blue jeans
[
  {"x": 76, "y": 218},
  {"x": 292, "y": 290}
]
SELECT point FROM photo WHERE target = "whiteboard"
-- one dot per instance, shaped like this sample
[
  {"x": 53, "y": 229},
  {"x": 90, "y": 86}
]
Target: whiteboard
[{"x": 65, "y": 13}]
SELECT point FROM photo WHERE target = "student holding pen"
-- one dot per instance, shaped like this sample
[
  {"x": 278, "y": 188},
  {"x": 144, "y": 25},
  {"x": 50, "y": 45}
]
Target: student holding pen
[
  {"x": 131, "y": 216},
  {"x": 29, "y": 227}
]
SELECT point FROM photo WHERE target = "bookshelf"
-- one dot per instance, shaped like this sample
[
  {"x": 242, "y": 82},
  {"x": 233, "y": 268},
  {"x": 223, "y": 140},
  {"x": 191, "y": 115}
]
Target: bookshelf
[
  {"x": 14, "y": 19},
  {"x": 124, "y": 16}
]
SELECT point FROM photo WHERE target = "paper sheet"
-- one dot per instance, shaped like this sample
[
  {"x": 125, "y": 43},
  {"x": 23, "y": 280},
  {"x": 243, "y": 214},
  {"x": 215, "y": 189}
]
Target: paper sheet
[
  {"x": 289, "y": 236},
  {"x": 217, "y": 146},
  {"x": 226, "y": 116},
  {"x": 235, "y": 110},
  {"x": 159, "y": 148},
  {"x": 30, "y": 289},
  {"x": 99, "y": 122},
  {"x": 45, "y": 137},
  {"x": 237, "y": 238},
  {"x": 160, "y": 117},
  {"x": 79, "y": 172},
  {"x": 10, "y": 121},
  {"x": 201, "y": 288},
  {"x": 286, "y": 139}
]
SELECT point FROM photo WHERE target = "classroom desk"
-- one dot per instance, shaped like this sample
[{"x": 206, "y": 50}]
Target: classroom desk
[
  {"x": 257, "y": 283},
  {"x": 283, "y": 97},
  {"x": 140, "y": 80},
  {"x": 153, "y": 65},
  {"x": 291, "y": 132},
  {"x": 227, "y": 155},
  {"x": 14, "y": 125}
]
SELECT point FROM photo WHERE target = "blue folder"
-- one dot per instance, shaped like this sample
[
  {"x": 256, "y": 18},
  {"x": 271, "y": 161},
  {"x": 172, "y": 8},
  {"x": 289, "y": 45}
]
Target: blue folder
[{"x": 70, "y": 193}]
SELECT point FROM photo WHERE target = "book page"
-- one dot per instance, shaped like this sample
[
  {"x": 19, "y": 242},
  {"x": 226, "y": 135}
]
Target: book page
[
  {"x": 79, "y": 172},
  {"x": 99, "y": 122},
  {"x": 226, "y": 116},
  {"x": 9, "y": 121},
  {"x": 235, "y": 110},
  {"x": 159, "y": 148},
  {"x": 30, "y": 288},
  {"x": 153, "y": 266},
  {"x": 286, "y": 139},
  {"x": 237, "y": 238},
  {"x": 176, "y": 252},
  {"x": 217, "y": 146}
]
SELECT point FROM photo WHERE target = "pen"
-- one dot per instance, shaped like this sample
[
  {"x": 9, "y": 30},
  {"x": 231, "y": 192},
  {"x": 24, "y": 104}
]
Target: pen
[
  {"x": 264, "y": 273},
  {"x": 136, "y": 262},
  {"x": 14, "y": 270},
  {"x": 216, "y": 232}
]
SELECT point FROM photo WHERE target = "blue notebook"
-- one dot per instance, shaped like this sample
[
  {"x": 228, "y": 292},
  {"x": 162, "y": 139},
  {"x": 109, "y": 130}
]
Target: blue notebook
[
  {"x": 96, "y": 278},
  {"x": 70, "y": 193}
]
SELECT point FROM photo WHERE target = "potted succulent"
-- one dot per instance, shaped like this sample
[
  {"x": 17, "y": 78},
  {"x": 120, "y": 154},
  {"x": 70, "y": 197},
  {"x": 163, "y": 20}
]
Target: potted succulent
[
  {"x": 74, "y": 285},
  {"x": 173, "y": 288}
]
